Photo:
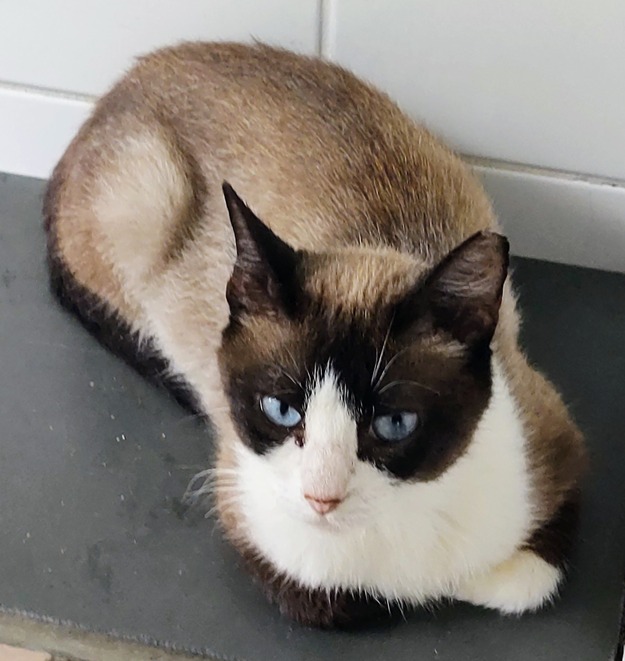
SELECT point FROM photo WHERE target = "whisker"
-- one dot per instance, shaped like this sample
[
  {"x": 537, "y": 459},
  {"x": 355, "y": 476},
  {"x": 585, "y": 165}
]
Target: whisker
[
  {"x": 289, "y": 353},
  {"x": 191, "y": 416},
  {"x": 210, "y": 486},
  {"x": 291, "y": 378},
  {"x": 220, "y": 470},
  {"x": 225, "y": 496},
  {"x": 388, "y": 366},
  {"x": 380, "y": 357},
  {"x": 215, "y": 509},
  {"x": 188, "y": 467},
  {"x": 407, "y": 382},
  {"x": 212, "y": 478}
]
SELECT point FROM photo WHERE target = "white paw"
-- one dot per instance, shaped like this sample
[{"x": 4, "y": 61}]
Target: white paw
[{"x": 523, "y": 582}]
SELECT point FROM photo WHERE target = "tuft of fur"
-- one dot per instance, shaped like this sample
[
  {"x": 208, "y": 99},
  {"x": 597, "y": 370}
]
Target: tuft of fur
[{"x": 366, "y": 275}]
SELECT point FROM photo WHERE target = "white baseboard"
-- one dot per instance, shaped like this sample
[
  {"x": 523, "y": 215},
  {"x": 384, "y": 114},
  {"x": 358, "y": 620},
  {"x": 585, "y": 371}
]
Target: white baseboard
[
  {"x": 35, "y": 129},
  {"x": 548, "y": 215},
  {"x": 561, "y": 218}
]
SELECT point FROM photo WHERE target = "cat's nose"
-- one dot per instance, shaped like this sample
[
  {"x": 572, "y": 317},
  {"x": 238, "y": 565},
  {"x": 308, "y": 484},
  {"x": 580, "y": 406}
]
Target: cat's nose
[{"x": 323, "y": 505}]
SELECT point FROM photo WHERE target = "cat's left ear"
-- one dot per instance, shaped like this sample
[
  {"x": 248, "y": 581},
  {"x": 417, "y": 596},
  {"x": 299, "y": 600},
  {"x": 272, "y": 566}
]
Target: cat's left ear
[
  {"x": 264, "y": 277},
  {"x": 462, "y": 295}
]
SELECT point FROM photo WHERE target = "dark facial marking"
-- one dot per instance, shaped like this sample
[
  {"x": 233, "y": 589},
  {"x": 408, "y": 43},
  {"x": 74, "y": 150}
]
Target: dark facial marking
[
  {"x": 448, "y": 392},
  {"x": 448, "y": 388},
  {"x": 245, "y": 391},
  {"x": 435, "y": 363}
]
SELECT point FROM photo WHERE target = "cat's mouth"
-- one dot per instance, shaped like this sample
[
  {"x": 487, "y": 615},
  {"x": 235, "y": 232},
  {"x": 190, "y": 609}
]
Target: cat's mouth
[
  {"x": 329, "y": 522},
  {"x": 342, "y": 518}
]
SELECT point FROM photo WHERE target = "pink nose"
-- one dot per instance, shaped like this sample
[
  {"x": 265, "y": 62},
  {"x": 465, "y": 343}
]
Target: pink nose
[{"x": 323, "y": 505}]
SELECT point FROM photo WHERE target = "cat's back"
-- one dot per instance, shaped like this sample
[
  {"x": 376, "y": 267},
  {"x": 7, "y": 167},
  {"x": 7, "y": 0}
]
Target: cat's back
[{"x": 322, "y": 157}]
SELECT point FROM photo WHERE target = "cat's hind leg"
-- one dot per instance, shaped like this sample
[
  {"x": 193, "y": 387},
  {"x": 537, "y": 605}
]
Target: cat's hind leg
[{"x": 116, "y": 209}]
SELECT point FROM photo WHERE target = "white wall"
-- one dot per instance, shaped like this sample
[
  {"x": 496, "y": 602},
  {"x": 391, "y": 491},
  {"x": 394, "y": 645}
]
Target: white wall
[
  {"x": 55, "y": 56},
  {"x": 533, "y": 90}
]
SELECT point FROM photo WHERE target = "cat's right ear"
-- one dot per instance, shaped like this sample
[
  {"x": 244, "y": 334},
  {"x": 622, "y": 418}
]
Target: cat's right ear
[
  {"x": 462, "y": 295},
  {"x": 264, "y": 277}
]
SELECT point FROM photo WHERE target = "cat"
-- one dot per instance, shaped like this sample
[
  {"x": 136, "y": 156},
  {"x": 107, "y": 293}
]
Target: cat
[{"x": 350, "y": 328}]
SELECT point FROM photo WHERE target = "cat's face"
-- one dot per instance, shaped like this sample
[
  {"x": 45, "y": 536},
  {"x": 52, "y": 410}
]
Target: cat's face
[{"x": 350, "y": 373}]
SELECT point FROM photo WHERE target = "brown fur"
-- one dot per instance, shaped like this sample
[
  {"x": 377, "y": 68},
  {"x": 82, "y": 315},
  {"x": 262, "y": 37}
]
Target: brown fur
[{"x": 135, "y": 215}]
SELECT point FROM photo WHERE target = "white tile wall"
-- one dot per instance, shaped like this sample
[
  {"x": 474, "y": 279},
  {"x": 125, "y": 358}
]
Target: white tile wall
[
  {"x": 524, "y": 80},
  {"x": 54, "y": 56},
  {"x": 83, "y": 46}
]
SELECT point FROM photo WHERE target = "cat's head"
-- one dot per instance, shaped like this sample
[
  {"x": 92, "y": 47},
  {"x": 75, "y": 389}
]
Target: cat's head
[{"x": 355, "y": 364}]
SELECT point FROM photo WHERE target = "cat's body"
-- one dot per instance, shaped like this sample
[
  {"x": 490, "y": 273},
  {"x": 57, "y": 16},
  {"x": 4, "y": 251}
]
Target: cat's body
[{"x": 480, "y": 506}]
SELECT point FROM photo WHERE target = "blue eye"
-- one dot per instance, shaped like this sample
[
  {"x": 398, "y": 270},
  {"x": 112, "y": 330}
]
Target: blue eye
[
  {"x": 395, "y": 426},
  {"x": 279, "y": 412}
]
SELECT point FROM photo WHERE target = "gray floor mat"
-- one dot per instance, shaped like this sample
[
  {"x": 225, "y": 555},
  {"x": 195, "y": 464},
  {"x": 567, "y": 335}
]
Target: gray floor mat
[{"x": 94, "y": 461}]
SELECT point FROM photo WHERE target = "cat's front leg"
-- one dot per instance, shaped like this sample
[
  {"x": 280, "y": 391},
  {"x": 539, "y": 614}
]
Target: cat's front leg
[
  {"x": 523, "y": 582},
  {"x": 531, "y": 576}
]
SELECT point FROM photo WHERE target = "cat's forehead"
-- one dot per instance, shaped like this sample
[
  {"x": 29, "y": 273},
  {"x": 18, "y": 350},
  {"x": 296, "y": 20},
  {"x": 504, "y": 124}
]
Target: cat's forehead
[
  {"x": 353, "y": 345},
  {"x": 345, "y": 320},
  {"x": 360, "y": 281}
]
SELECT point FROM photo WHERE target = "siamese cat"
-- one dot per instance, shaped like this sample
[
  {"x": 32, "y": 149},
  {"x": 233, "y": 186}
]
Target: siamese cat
[{"x": 326, "y": 281}]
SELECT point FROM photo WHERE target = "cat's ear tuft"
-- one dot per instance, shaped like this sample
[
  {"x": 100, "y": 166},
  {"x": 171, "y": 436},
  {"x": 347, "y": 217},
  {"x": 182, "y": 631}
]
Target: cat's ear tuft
[
  {"x": 462, "y": 295},
  {"x": 263, "y": 280}
]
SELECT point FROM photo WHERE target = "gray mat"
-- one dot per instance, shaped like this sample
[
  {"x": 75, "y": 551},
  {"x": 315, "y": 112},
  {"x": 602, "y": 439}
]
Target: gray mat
[{"x": 94, "y": 461}]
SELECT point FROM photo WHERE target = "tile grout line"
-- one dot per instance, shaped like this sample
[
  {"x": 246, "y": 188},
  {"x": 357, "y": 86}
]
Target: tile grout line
[
  {"x": 325, "y": 28},
  {"x": 514, "y": 167},
  {"x": 320, "y": 15},
  {"x": 47, "y": 91}
]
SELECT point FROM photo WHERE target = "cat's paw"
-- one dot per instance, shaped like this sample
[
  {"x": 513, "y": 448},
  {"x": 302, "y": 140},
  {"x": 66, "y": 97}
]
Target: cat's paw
[{"x": 521, "y": 583}]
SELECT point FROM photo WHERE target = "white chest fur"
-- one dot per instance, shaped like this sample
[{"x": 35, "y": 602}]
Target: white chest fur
[{"x": 396, "y": 540}]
